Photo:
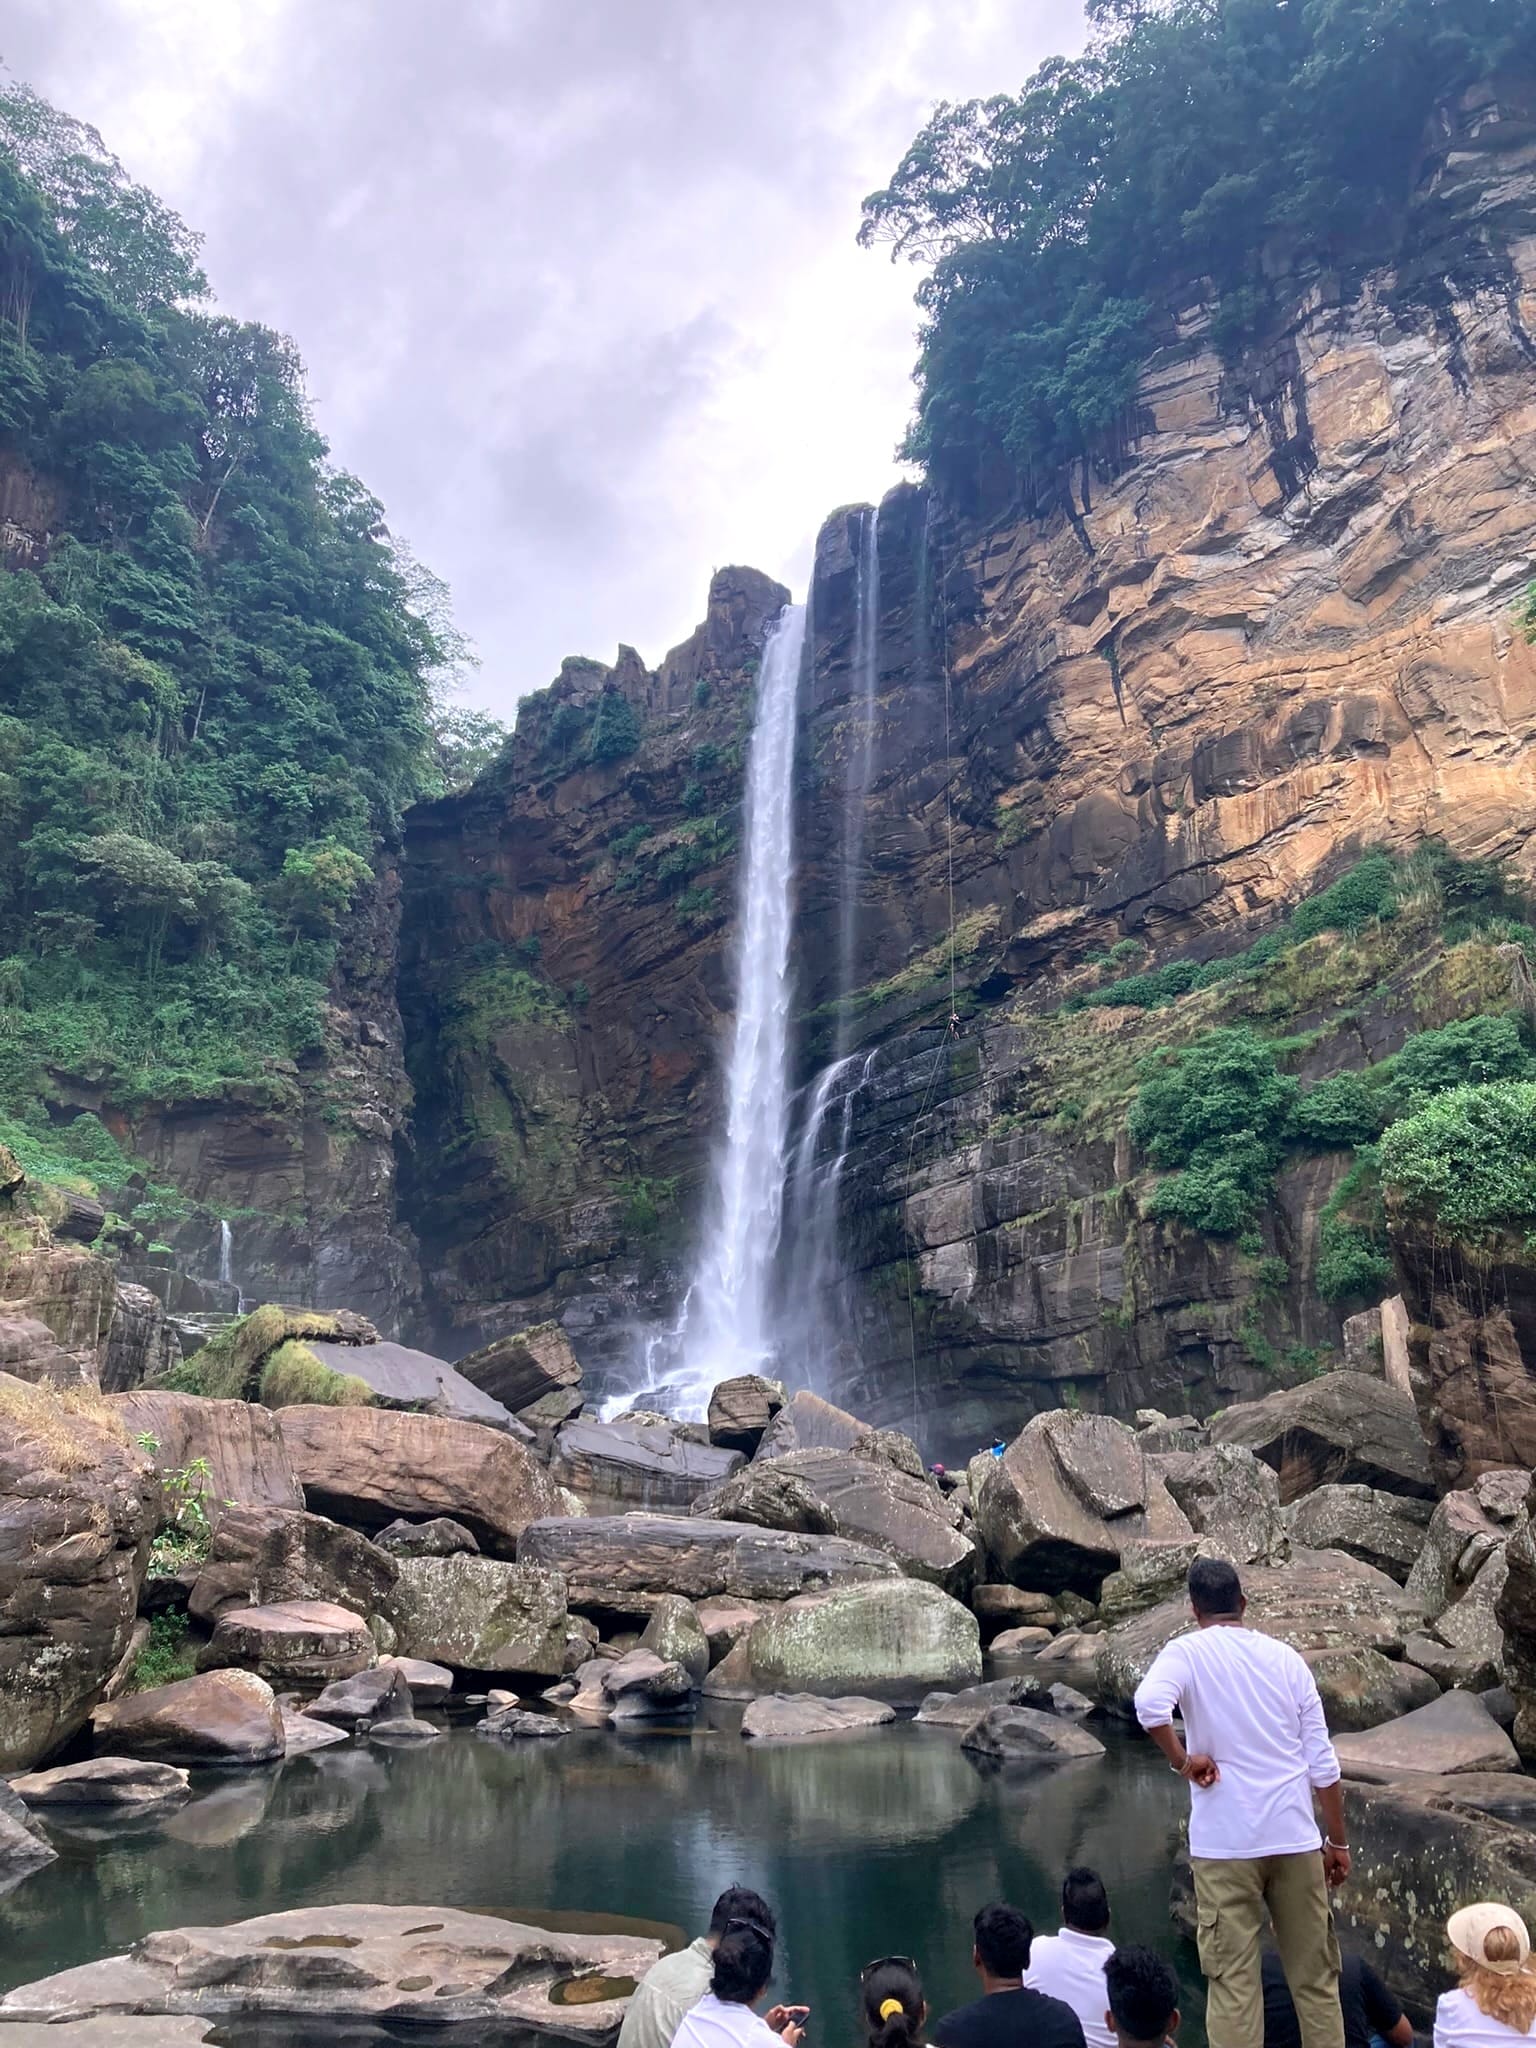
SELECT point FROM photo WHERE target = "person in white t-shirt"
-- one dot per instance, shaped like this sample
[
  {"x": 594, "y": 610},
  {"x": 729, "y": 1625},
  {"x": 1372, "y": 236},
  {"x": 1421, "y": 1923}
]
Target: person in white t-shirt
[
  {"x": 1495, "y": 2004},
  {"x": 1258, "y": 1750},
  {"x": 723, "y": 2017},
  {"x": 1070, "y": 1965}
]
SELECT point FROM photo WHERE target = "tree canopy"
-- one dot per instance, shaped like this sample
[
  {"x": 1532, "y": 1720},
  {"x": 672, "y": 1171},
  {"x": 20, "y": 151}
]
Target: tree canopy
[{"x": 1193, "y": 141}]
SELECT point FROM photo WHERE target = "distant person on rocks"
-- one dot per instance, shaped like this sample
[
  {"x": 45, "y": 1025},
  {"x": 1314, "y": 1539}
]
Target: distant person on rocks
[
  {"x": 1370, "y": 2011},
  {"x": 676, "y": 1984},
  {"x": 895, "y": 2010},
  {"x": 1006, "y": 2015},
  {"x": 1070, "y": 1965},
  {"x": 1495, "y": 2003},
  {"x": 739, "y": 1975},
  {"x": 1258, "y": 1749},
  {"x": 1143, "y": 1998}
]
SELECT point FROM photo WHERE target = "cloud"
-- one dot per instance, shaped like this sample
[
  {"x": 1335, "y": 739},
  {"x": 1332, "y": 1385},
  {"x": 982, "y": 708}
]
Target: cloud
[{"x": 575, "y": 280}]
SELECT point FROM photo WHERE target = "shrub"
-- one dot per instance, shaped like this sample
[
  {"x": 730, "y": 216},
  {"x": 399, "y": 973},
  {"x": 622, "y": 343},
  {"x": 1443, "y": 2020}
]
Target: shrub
[
  {"x": 1369, "y": 891},
  {"x": 1341, "y": 1112},
  {"x": 293, "y": 1377},
  {"x": 1351, "y": 1263},
  {"x": 1467, "y": 1053},
  {"x": 1466, "y": 1161},
  {"x": 166, "y": 1657},
  {"x": 1219, "y": 1110},
  {"x": 615, "y": 729}
]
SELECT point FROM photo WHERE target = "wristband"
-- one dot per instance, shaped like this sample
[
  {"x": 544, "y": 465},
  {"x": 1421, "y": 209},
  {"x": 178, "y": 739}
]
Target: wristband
[{"x": 1330, "y": 1843}]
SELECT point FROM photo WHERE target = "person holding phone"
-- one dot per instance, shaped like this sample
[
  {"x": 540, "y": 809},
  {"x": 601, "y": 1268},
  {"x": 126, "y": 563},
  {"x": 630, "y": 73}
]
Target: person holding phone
[{"x": 724, "y": 2017}]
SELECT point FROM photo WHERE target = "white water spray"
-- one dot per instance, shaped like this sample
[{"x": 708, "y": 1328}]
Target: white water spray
[{"x": 226, "y": 1255}]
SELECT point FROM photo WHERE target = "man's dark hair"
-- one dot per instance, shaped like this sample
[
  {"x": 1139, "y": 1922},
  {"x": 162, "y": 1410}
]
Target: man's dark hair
[
  {"x": 736, "y": 1902},
  {"x": 1143, "y": 1993},
  {"x": 1214, "y": 1587},
  {"x": 743, "y": 1963},
  {"x": 1084, "y": 1901},
  {"x": 1003, "y": 1936}
]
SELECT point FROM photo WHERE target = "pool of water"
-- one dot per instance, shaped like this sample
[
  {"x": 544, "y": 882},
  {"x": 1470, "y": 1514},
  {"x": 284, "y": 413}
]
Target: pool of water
[{"x": 866, "y": 1845}]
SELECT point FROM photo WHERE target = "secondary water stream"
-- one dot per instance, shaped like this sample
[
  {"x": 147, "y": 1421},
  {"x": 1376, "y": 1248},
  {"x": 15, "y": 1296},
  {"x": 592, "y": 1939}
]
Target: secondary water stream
[{"x": 881, "y": 1842}]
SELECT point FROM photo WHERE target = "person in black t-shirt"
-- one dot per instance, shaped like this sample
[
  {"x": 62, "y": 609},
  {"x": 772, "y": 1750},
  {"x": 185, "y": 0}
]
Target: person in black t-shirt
[
  {"x": 1370, "y": 2010},
  {"x": 1006, "y": 2015}
]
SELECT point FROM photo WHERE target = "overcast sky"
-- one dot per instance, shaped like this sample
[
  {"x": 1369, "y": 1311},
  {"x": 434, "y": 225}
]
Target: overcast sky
[{"x": 575, "y": 280}]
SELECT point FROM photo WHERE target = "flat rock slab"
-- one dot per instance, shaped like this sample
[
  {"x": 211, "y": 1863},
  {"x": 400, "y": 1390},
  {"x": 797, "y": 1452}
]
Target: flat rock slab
[
  {"x": 305, "y": 1734},
  {"x": 295, "y": 1642},
  {"x": 786, "y": 1717},
  {"x": 113, "y": 2030},
  {"x": 414, "y": 1379},
  {"x": 1452, "y": 1734},
  {"x": 396, "y": 1965},
  {"x": 115, "y": 1783},
  {"x": 601, "y": 1556},
  {"x": 404, "y": 1730},
  {"x": 219, "y": 1717},
  {"x": 431, "y": 1684},
  {"x": 965, "y": 1709},
  {"x": 1023, "y": 1735},
  {"x": 651, "y": 1464},
  {"x": 369, "y": 1696}
]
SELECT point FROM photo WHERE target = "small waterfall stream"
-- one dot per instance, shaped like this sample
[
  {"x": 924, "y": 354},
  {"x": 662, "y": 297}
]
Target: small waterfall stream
[{"x": 226, "y": 1254}]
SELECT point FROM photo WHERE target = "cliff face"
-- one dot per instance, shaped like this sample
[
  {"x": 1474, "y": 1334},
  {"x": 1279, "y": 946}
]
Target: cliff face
[{"x": 1280, "y": 631}]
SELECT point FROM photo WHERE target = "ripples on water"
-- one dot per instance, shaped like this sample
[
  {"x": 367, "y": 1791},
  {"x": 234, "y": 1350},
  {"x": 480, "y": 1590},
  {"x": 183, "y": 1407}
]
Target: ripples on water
[{"x": 881, "y": 1842}]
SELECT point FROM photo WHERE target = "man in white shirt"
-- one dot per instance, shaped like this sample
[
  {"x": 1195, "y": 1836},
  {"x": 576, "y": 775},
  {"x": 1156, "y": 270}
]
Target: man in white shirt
[
  {"x": 1070, "y": 1965},
  {"x": 1258, "y": 1749},
  {"x": 674, "y": 1986}
]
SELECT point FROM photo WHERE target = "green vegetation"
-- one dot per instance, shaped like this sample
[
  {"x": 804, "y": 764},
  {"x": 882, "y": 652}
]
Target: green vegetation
[
  {"x": 1189, "y": 140},
  {"x": 293, "y": 1377},
  {"x": 1466, "y": 1160},
  {"x": 220, "y": 680},
  {"x": 166, "y": 1657},
  {"x": 185, "y": 1531},
  {"x": 1219, "y": 1110},
  {"x": 229, "y": 1365}
]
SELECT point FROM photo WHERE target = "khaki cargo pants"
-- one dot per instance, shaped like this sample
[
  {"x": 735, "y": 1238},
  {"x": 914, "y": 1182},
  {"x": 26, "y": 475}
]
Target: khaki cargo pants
[{"x": 1231, "y": 1895}]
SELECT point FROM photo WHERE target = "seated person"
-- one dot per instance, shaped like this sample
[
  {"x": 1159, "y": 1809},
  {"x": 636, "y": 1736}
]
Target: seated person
[
  {"x": 677, "y": 1983},
  {"x": 1494, "y": 2006},
  {"x": 1070, "y": 1965},
  {"x": 1370, "y": 2011},
  {"x": 1006, "y": 2015}
]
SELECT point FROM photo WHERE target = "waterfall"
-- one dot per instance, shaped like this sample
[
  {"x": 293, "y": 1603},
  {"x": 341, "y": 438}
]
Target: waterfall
[
  {"x": 226, "y": 1255},
  {"x": 859, "y": 770}
]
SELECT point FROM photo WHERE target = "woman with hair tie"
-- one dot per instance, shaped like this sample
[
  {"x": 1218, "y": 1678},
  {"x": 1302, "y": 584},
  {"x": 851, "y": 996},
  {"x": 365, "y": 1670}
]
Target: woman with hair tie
[
  {"x": 895, "y": 2011},
  {"x": 723, "y": 2017},
  {"x": 1495, "y": 2004}
]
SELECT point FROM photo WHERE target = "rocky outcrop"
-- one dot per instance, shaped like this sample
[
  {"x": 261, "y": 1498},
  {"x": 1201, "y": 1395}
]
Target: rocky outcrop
[
  {"x": 73, "y": 1294},
  {"x": 248, "y": 1462},
  {"x": 367, "y": 1466},
  {"x": 1516, "y": 1614},
  {"x": 1472, "y": 1340},
  {"x": 78, "y": 1505},
  {"x": 259, "y": 1555},
  {"x": 619, "y": 1563},
  {"x": 228, "y": 1718},
  {"x": 1343, "y": 1429},
  {"x": 641, "y": 1463},
  {"x": 141, "y": 1344},
  {"x": 302, "y": 1643},
  {"x": 1453, "y": 1733}
]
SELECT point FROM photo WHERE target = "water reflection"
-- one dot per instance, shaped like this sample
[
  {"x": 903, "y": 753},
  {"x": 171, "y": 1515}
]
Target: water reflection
[{"x": 888, "y": 1840}]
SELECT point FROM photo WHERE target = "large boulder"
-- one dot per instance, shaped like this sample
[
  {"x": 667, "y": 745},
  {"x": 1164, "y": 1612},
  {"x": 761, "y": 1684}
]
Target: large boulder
[
  {"x": 121, "y": 1785},
  {"x": 480, "y": 1614},
  {"x": 741, "y": 1409},
  {"x": 292, "y": 1643},
  {"x": 368, "y": 1466},
  {"x": 964, "y": 1709},
  {"x": 864, "y": 1498},
  {"x": 524, "y": 1368},
  {"x": 1453, "y": 1733},
  {"x": 1464, "y": 1644},
  {"x": 261, "y": 1556},
  {"x": 770, "y": 1497},
  {"x": 1149, "y": 1574},
  {"x": 1067, "y": 1496},
  {"x": 634, "y": 1463},
  {"x": 382, "y": 1694},
  {"x": 617, "y": 1563},
  {"x": 792, "y": 1716},
  {"x": 807, "y": 1423},
  {"x": 1381, "y": 1529},
  {"x": 219, "y": 1717},
  {"x": 1345, "y": 1429},
  {"x": 675, "y": 1635},
  {"x": 1460, "y": 1538},
  {"x": 241, "y": 1444},
  {"x": 78, "y": 1505},
  {"x": 402, "y": 1378},
  {"x": 141, "y": 1344},
  {"x": 439, "y": 1537},
  {"x": 1362, "y": 1688},
  {"x": 1227, "y": 1495},
  {"x": 1321, "y": 1600},
  {"x": 1024, "y": 1735},
  {"x": 902, "y": 1634},
  {"x": 357, "y": 1971},
  {"x": 1003, "y": 1607},
  {"x": 1516, "y": 1615}
]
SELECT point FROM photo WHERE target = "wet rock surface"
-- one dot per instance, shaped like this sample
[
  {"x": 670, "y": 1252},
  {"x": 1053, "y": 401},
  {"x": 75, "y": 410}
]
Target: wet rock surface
[
  {"x": 224, "y": 1718},
  {"x": 789, "y": 1717}
]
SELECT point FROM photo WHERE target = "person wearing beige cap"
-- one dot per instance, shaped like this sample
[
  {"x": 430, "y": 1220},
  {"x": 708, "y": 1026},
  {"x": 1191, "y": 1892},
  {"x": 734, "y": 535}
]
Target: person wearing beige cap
[{"x": 1495, "y": 2003}]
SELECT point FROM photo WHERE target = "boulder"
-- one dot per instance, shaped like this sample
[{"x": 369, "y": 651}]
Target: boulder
[
  {"x": 1321, "y": 1600},
  {"x": 965, "y": 1709},
  {"x": 218, "y": 1718},
  {"x": 248, "y": 1462},
  {"x": 807, "y": 1423},
  {"x": 1381, "y": 1529},
  {"x": 292, "y": 1642},
  {"x": 1149, "y": 1574},
  {"x": 78, "y": 1505},
  {"x": 640, "y": 1685},
  {"x": 789, "y": 1717},
  {"x": 1516, "y": 1614},
  {"x": 673, "y": 1634},
  {"x": 876, "y": 1502},
  {"x": 402, "y": 1729},
  {"x": 998, "y": 1608},
  {"x": 524, "y": 1368},
  {"x": 1067, "y": 1496},
  {"x": 731, "y": 1678},
  {"x": 267, "y": 1555},
  {"x": 724, "y": 1623},
  {"x": 516, "y": 1724},
  {"x": 608, "y": 1560},
  {"x": 741, "y": 1409},
  {"x": 1346, "y": 1429},
  {"x": 770, "y": 1497},
  {"x": 358, "y": 1970},
  {"x": 1460, "y": 1538},
  {"x": 366, "y": 1466},
  {"x": 440, "y": 1537},
  {"x": 125, "y": 1786},
  {"x": 23, "y": 1846},
  {"x": 638, "y": 1463},
  {"x": 431, "y": 1684},
  {"x": 1020, "y": 1642},
  {"x": 402, "y": 1378},
  {"x": 889, "y": 1447},
  {"x": 898, "y": 1635},
  {"x": 304, "y": 1734},
  {"x": 1362, "y": 1688},
  {"x": 1024, "y": 1735},
  {"x": 1453, "y": 1733},
  {"x": 141, "y": 1344},
  {"x": 1464, "y": 1644},
  {"x": 1227, "y": 1495},
  {"x": 481, "y": 1614},
  {"x": 381, "y": 1694}
]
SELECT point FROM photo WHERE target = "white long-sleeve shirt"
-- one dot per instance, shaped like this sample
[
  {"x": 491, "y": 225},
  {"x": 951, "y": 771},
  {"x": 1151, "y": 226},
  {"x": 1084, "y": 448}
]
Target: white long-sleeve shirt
[
  {"x": 716, "y": 2023},
  {"x": 1070, "y": 1966},
  {"x": 1250, "y": 1702}
]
